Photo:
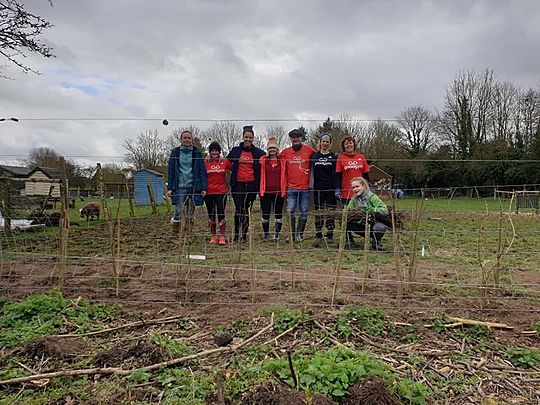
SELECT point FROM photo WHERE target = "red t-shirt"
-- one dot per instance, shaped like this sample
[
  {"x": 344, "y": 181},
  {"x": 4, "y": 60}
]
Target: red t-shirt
[
  {"x": 217, "y": 171},
  {"x": 297, "y": 166},
  {"x": 272, "y": 170},
  {"x": 246, "y": 172},
  {"x": 350, "y": 167}
]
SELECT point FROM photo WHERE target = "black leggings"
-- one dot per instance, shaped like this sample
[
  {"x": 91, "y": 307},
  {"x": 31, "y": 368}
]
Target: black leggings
[
  {"x": 215, "y": 205},
  {"x": 324, "y": 200},
  {"x": 269, "y": 202},
  {"x": 243, "y": 201}
]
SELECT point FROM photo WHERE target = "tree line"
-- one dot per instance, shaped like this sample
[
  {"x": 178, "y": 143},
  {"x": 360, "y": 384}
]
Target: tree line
[{"x": 486, "y": 133}]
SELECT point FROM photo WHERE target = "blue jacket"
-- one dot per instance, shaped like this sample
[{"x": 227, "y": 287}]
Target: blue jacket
[
  {"x": 200, "y": 178},
  {"x": 234, "y": 157}
]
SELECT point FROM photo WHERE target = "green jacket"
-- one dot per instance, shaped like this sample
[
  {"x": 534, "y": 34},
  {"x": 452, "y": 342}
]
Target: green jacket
[{"x": 374, "y": 204}]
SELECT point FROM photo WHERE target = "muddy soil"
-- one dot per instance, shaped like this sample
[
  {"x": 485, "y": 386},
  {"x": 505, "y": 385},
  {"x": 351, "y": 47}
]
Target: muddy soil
[{"x": 371, "y": 392}]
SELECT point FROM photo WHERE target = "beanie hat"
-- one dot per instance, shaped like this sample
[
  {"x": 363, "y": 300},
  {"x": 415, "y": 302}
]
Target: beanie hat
[
  {"x": 272, "y": 143},
  {"x": 247, "y": 128},
  {"x": 214, "y": 145}
]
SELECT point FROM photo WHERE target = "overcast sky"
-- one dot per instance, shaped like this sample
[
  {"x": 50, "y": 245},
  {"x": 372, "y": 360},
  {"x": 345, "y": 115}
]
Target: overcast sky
[{"x": 250, "y": 60}]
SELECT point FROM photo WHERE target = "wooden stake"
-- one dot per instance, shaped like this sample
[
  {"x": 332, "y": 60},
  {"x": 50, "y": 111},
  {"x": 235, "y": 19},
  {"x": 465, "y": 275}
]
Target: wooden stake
[
  {"x": 130, "y": 201},
  {"x": 366, "y": 253},
  {"x": 337, "y": 271},
  {"x": 397, "y": 264},
  {"x": 64, "y": 228},
  {"x": 251, "y": 256}
]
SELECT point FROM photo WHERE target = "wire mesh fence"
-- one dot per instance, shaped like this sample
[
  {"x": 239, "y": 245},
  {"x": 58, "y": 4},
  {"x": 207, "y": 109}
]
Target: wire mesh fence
[{"x": 455, "y": 259}]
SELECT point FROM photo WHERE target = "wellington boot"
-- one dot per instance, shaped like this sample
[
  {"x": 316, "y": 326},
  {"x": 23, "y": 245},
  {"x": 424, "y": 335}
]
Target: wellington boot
[{"x": 175, "y": 229}]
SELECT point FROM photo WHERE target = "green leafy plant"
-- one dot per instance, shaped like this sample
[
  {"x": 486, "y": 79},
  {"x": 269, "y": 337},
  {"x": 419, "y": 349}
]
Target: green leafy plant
[
  {"x": 285, "y": 318},
  {"x": 370, "y": 320},
  {"x": 330, "y": 372},
  {"x": 523, "y": 357},
  {"x": 411, "y": 392},
  {"x": 182, "y": 386},
  {"x": 138, "y": 377},
  {"x": 174, "y": 347},
  {"x": 438, "y": 323},
  {"x": 35, "y": 316},
  {"x": 46, "y": 314}
]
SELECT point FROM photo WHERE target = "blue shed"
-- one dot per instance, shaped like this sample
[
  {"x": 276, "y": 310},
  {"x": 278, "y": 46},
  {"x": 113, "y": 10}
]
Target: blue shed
[{"x": 141, "y": 180}]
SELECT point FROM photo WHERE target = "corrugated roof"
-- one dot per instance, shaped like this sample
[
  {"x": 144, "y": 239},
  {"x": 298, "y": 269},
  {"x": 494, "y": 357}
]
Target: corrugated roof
[
  {"x": 16, "y": 171},
  {"x": 154, "y": 172},
  {"x": 50, "y": 172}
]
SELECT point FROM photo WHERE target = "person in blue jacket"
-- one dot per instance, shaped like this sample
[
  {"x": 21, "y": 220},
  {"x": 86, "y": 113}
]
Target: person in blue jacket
[
  {"x": 186, "y": 181},
  {"x": 245, "y": 179}
]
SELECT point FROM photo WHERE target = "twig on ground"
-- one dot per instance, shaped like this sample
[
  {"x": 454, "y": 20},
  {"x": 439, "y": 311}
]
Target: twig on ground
[
  {"x": 122, "y": 372},
  {"x": 329, "y": 334},
  {"x": 128, "y": 325}
]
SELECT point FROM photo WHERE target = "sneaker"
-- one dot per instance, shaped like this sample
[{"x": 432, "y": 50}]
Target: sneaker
[
  {"x": 214, "y": 240},
  {"x": 222, "y": 241}
]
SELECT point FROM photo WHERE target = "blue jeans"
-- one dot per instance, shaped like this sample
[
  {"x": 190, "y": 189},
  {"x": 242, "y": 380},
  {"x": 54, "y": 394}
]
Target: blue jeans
[
  {"x": 300, "y": 199},
  {"x": 184, "y": 205}
]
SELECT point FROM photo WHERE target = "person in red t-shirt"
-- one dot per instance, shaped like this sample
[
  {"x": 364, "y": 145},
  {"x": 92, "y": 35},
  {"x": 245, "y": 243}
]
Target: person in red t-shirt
[
  {"x": 245, "y": 179},
  {"x": 296, "y": 180},
  {"x": 350, "y": 164},
  {"x": 271, "y": 191},
  {"x": 216, "y": 195}
]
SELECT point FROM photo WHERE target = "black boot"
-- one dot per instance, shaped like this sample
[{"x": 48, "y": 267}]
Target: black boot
[
  {"x": 349, "y": 241},
  {"x": 293, "y": 228},
  {"x": 277, "y": 230},
  {"x": 377, "y": 245},
  {"x": 266, "y": 230},
  {"x": 301, "y": 227},
  {"x": 330, "y": 236}
]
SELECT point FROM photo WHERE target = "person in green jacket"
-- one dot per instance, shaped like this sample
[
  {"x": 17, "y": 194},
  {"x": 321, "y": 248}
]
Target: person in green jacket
[{"x": 367, "y": 204}]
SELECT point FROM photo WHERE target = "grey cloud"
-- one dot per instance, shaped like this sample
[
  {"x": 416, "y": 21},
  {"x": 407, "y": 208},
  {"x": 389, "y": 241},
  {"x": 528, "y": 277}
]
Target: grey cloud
[{"x": 255, "y": 59}]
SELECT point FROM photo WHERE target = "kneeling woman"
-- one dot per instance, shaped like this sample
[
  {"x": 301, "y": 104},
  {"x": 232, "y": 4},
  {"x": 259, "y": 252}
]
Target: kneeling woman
[
  {"x": 370, "y": 205},
  {"x": 216, "y": 196}
]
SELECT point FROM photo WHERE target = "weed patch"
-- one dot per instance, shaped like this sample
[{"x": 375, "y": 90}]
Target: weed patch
[
  {"x": 48, "y": 314},
  {"x": 367, "y": 319},
  {"x": 285, "y": 318},
  {"x": 523, "y": 357}
]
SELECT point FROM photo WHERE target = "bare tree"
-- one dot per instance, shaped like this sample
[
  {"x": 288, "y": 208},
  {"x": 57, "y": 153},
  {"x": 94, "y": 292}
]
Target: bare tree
[
  {"x": 44, "y": 156},
  {"x": 417, "y": 126},
  {"x": 19, "y": 32},
  {"x": 384, "y": 141},
  {"x": 148, "y": 151},
  {"x": 505, "y": 108},
  {"x": 227, "y": 133},
  {"x": 340, "y": 128},
  {"x": 529, "y": 117},
  {"x": 468, "y": 111},
  {"x": 279, "y": 132}
]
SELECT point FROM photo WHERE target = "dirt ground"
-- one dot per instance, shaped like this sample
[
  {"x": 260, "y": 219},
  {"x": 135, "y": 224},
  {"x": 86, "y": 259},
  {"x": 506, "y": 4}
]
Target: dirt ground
[{"x": 156, "y": 281}]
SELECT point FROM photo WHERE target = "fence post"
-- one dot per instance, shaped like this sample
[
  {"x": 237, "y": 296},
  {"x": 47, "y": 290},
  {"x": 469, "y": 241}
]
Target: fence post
[
  {"x": 152, "y": 198},
  {"x": 5, "y": 204},
  {"x": 130, "y": 200},
  {"x": 64, "y": 226}
]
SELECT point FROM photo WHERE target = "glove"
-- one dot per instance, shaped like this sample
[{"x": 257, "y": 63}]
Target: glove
[{"x": 337, "y": 193}]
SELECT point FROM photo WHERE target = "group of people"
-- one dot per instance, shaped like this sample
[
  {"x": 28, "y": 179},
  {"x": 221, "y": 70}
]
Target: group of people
[{"x": 275, "y": 176}]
